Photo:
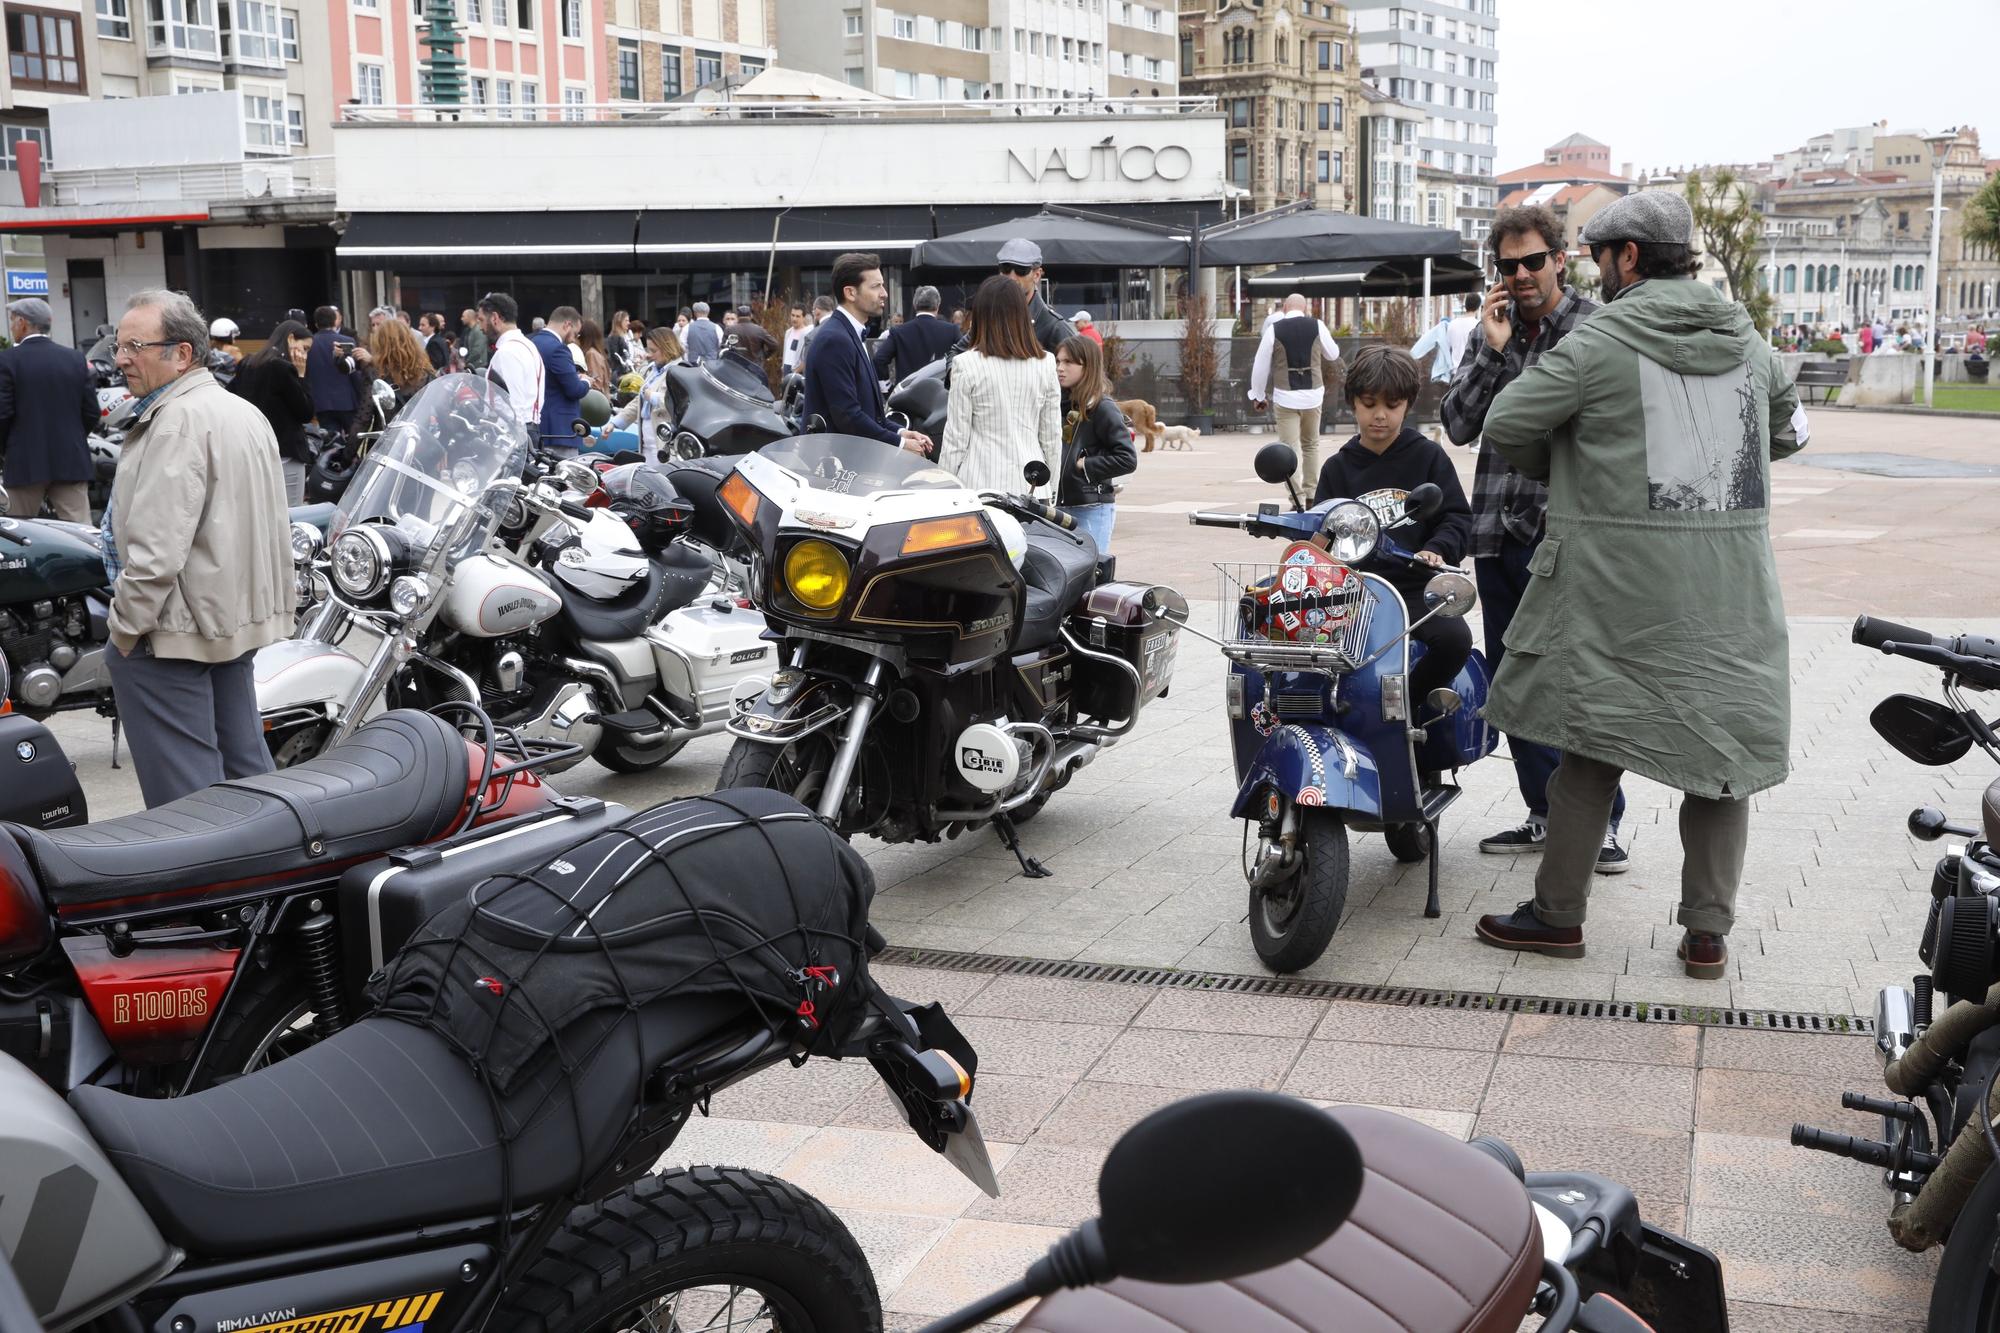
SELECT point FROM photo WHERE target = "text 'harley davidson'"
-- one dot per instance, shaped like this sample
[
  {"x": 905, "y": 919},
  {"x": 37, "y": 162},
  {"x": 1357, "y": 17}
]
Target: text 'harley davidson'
[{"x": 949, "y": 659}]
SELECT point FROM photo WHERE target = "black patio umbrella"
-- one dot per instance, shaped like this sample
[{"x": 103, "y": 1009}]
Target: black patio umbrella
[
  {"x": 1370, "y": 278},
  {"x": 1066, "y": 240},
  {"x": 1296, "y": 235}
]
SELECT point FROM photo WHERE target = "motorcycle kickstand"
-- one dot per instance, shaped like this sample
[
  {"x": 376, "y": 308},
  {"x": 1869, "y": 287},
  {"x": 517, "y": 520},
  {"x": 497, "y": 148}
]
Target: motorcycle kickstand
[
  {"x": 1010, "y": 838},
  {"x": 1431, "y": 908}
]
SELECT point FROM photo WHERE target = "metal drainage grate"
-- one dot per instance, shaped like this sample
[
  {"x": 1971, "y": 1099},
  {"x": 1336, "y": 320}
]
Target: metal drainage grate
[{"x": 1225, "y": 983}]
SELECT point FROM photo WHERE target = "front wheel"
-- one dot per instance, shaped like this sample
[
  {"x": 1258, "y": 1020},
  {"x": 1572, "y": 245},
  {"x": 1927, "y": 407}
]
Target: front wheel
[
  {"x": 708, "y": 1247},
  {"x": 1965, "y": 1298},
  {"x": 295, "y": 745},
  {"x": 799, "y": 770},
  {"x": 1292, "y": 922},
  {"x": 1408, "y": 842}
]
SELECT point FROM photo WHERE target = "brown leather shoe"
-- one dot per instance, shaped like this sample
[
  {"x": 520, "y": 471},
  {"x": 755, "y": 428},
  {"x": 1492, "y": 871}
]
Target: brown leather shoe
[
  {"x": 1706, "y": 956},
  {"x": 1524, "y": 931}
]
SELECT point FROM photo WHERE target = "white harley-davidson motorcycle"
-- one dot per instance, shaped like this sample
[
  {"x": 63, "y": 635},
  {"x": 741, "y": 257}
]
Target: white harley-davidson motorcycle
[{"x": 449, "y": 577}]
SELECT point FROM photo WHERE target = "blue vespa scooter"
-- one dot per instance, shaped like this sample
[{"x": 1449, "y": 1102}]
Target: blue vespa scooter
[{"x": 1325, "y": 734}]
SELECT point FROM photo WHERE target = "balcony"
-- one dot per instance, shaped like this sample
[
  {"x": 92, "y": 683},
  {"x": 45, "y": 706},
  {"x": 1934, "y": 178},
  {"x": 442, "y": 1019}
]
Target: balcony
[{"x": 218, "y": 184}]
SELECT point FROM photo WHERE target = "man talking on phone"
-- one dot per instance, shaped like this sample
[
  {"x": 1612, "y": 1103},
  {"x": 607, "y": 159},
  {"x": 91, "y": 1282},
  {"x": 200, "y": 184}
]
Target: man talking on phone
[{"x": 1527, "y": 311}]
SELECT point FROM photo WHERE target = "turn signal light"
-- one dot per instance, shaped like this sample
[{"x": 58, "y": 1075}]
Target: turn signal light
[
  {"x": 942, "y": 534},
  {"x": 742, "y": 499}
]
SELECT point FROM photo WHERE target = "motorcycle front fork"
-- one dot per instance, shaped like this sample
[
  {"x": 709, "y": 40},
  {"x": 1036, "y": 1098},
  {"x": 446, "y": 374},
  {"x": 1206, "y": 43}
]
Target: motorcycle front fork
[{"x": 867, "y": 695}]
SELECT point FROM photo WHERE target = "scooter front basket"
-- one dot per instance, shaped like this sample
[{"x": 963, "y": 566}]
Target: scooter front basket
[{"x": 1299, "y": 614}]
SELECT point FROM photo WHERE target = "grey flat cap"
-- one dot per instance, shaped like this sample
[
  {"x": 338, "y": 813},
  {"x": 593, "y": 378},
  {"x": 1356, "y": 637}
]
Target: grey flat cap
[
  {"x": 1021, "y": 254},
  {"x": 1659, "y": 217}
]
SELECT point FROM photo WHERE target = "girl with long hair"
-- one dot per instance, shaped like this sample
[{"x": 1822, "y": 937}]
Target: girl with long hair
[
  {"x": 1097, "y": 440},
  {"x": 648, "y": 407},
  {"x": 596, "y": 360},
  {"x": 274, "y": 382},
  {"x": 399, "y": 358},
  {"x": 1005, "y": 405}
]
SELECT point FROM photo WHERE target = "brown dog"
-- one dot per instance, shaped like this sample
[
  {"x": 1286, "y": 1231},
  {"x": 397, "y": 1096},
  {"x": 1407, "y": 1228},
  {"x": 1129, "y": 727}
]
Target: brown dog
[{"x": 1144, "y": 421}]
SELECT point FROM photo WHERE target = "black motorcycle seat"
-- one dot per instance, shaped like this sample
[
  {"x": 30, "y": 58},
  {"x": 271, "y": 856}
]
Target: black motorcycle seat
[
  {"x": 684, "y": 572},
  {"x": 697, "y": 480},
  {"x": 399, "y": 779},
  {"x": 623, "y": 617},
  {"x": 384, "y": 1127},
  {"x": 1059, "y": 568}
]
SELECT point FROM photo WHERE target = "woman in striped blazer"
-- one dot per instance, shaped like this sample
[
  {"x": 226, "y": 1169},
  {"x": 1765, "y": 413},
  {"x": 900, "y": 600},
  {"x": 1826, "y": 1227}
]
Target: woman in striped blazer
[{"x": 1006, "y": 403}]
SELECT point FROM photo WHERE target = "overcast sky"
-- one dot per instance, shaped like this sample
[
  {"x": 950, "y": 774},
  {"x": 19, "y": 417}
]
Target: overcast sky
[{"x": 1693, "y": 81}]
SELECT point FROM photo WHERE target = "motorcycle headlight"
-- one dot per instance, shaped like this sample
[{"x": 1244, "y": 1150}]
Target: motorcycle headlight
[
  {"x": 361, "y": 559},
  {"x": 1352, "y": 530},
  {"x": 306, "y": 542},
  {"x": 408, "y": 593},
  {"x": 816, "y": 575}
]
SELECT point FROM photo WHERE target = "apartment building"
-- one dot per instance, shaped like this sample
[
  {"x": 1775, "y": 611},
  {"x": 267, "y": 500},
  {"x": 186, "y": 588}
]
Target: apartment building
[
  {"x": 660, "y": 50},
  {"x": 1286, "y": 82},
  {"x": 520, "y": 55},
  {"x": 1142, "y": 37},
  {"x": 1441, "y": 55}
]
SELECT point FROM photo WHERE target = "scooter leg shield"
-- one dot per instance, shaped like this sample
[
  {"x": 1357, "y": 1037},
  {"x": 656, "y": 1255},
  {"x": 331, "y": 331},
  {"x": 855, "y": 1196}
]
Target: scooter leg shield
[{"x": 1310, "y": 766}]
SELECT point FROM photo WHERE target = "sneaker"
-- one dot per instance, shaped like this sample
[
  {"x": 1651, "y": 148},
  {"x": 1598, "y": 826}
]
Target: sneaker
[
  {"x": 1526, "y": 932},
  {"x": 1611, "y": 858},
  {"x": 1529, "y": 836},
  {"x": 1705, "y": 956}
]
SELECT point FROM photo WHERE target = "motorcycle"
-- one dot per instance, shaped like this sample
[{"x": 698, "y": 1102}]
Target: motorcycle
[
  {"x": 383, "y": 1180},
  {"x": 1936, "y": 1150},
  {"x": 450, "y": 578},
  {"x": 1248, "y": 1209},
  {"x": 948, "y": 660},
  {"x": 160, "y": 965},
  {"x": 1325, "y": 736},
  {"x": 722, "y": 406}
]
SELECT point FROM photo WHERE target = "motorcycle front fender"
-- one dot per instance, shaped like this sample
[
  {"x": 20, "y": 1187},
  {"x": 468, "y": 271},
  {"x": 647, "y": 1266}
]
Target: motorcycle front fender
[
  {"x": 303, "y": 673},
  {"x": 817, "y": 705},
  {"x": 1310, "y": 766}
]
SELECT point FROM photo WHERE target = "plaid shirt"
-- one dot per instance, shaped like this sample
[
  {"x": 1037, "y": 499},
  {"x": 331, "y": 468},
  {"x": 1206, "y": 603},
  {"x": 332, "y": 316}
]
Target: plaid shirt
[{"x": 1504, "y": 503}]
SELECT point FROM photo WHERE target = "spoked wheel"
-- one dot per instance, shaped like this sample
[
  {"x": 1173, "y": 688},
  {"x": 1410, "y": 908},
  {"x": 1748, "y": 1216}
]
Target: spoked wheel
[
  {"x": 270, "y": 1018},
  {"x": 708, "y": 1248},
  {"x": 1408, "y": 842},
  {"x": 1291, "y": 922},
  {"x": 1965, "y": 1298},
  {"x": 799, "y": 769}
]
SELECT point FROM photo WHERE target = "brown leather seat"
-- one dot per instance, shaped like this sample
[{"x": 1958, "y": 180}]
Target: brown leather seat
[
  {"x": 1989, "y": 813},
  {"x": 1442, "y": 1240}
]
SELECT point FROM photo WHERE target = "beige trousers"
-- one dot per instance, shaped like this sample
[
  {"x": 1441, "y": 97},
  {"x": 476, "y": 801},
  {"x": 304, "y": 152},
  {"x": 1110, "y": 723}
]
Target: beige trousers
[
  {"x": 1300, "y": 429},
  {"x": 70, "y": 500}
]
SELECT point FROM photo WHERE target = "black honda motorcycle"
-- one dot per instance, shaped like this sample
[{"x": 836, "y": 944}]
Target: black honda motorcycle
[
  {"x": 949, "y": 659},
  {"x": 1937, "y": 1146}
]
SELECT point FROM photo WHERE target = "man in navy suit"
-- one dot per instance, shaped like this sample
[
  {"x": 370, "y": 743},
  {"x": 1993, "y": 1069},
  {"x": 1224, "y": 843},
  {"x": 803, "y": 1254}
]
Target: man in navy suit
[
  {"x": 333, "y": 375},
  {"x": 48, "y": 408},
  {"x": 566, "y": 386},
  {"x": 840, "y": 380},
  {"x": 917, "y": 342}
]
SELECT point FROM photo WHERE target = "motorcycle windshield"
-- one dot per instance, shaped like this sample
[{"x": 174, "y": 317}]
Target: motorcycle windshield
[
  {"x": 442, "y": 471},
  {"x": 856, "y": 465}
]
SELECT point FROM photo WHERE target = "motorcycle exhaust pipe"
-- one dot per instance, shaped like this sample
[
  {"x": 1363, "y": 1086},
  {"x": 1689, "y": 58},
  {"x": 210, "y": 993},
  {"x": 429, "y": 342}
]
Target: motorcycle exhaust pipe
[{"x": 1895, "y": 1021}]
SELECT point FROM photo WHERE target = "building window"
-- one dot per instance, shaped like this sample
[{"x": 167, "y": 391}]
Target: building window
[
  {"x": 750, "y": 68},
  {"x": 250, "y": 33},
  {"x": 531, "y": 97},
  {"x": 295, "y": 121},
  {"x": 475, "y": 90},
  {"x": 1339, "y": 166},
  {"x": 1239, "y": 165},
  {"x": 1326, "y": 115},
  {"x": 368, "y": 84},
  {"x": 855, "y": 75},
  {"x": 1153, "y": 70},
  {"x": 906, "y": 83},
  {"x": 707, "y": 67},
  {"x": 1791, "y": 277},
  {"x": 42, "y": 51},
  {"x": 11, "y": 137},
  {"x": 572, "y": 19},
  {"x": 1340, "y": 113},
  {"x": 903, "y": 26},
  {"x": 670, "y": 73},
  {"x": 1326, "y": 55},
  {"x": 114, "y": 19},
  {"x": 264, "y": 122},
  {"x": 1187, "y": 57},
  {"x": 1242, "y": 113},
  {"x": 572, "y": 104},
  {"x": 288, "y": 35},
  {"x": 973, "y": 38},
  {"x": 524, "y": 15},
  {"x": 850, "y": 24},
  {"x": 503, "y": 93},
  {"x": 628, "y": 69},
  {"x": 182, "y": 27},
  {"x": 1325, "y": 167}
]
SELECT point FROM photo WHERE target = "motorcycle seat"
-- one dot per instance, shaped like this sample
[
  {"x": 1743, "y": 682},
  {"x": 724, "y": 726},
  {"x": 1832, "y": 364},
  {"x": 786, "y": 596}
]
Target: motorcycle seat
[
  {"x": 1059, "y": 568},
  {"x": 623, "y": 617},
  {"x": 1442, "y": 1239},
  {"x": 697, "y": 480},
  {"x": 385, "y": 1127},
  {"x": 399, "y": 779}
]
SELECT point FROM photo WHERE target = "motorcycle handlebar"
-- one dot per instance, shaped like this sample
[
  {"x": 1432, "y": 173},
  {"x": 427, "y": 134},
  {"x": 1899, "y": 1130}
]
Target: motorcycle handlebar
[
  {"x": 1873, "y": 632},
  {"x": 1201, "y": 520}
]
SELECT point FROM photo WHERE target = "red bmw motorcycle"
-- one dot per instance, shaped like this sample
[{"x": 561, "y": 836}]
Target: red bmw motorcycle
[{"x": 163, "y": 951}]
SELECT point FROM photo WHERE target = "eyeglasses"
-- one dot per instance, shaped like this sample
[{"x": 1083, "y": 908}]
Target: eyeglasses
[
  {"x": 1509, "y": 267},
  {"x": 133, "y": 346}
]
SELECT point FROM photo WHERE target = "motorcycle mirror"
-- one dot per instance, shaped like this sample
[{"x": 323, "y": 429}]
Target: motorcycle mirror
[
  {"x": 1921, "y": 730},
  {"x": 1928, "y": 824},
  {"x": 1275, "y": 463},
  {"x": 1422, "y": 502},
  {"x": 1450, "y": 594},
  {"x": 1036, "y": 473}
]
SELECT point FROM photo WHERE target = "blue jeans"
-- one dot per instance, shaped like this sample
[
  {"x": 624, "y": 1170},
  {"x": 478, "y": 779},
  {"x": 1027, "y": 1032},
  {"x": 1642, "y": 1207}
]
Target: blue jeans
[
  {"x": 1095, "y": 520},
  {"x": 1503, "y": 581}
]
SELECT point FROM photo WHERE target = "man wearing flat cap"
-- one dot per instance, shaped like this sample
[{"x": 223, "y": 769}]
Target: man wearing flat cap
[
  {"x": 1022, "y": 261},
  {"x": 1652, "y": 637},
  {"x": 48, "y": 407}
]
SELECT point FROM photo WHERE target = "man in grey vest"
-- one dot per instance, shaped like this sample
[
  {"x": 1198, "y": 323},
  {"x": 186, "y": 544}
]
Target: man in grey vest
[{"x": 1290, "y": 373}]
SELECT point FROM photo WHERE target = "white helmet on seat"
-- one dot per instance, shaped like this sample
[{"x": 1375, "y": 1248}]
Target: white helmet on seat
[{"x": 223, "y": 328}]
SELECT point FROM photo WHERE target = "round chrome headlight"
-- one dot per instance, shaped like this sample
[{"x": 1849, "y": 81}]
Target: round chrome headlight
[
  {"x": 361, "y": 562},
  {"x": 1351, "y": 531},
  {"x": 408, "y": 593},
  {"x": 306, "y": 542}
]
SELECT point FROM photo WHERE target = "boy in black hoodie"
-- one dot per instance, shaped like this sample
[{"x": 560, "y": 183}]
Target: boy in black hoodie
[{"x": 1379, "y": 467}]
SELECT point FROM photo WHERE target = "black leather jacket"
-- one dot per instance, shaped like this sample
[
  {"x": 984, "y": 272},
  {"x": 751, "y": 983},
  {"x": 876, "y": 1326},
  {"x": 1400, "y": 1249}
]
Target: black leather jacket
[{"x": 1104, "y": 441}]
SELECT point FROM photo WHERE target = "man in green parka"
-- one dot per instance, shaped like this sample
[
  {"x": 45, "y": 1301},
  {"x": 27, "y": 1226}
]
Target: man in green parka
[{"x": 1653, "y": 637}]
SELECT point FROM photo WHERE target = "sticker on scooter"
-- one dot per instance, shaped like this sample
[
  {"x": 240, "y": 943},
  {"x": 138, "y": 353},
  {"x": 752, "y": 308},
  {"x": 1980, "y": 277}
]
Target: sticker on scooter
[
  {"x": 1311, "y": 796},
  {"x": 1295, "y": 578}
]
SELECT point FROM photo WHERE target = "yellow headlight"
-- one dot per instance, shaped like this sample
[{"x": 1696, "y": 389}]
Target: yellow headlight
[{"x": 816, "y": 574}]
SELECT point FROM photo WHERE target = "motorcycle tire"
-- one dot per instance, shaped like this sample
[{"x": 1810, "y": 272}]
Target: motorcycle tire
[
  {"x": 778, "y": 767},
  {"x": 1408, "y": 843},
  {"x": 268, "y": 1018},
  {"x": 295, "y": 745},
  {"x": 684, "y": 1238},
  {"x": 619, "y": 757},
  {"x": 1965, "y": 1298},
  {"x": 1292, "y": 930}
]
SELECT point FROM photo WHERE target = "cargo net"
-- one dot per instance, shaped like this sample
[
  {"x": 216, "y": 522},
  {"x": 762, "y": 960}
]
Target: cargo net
[
  {"x": 741, "y": 896},
  {"x": 1287, "y": 614}
]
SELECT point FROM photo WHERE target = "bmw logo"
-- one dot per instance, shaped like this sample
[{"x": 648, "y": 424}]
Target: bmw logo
[{"x": 25, "y": 751}]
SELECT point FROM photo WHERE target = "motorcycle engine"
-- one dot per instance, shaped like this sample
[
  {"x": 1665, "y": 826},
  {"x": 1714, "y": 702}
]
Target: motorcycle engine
[{"x": 39, "y": 641}]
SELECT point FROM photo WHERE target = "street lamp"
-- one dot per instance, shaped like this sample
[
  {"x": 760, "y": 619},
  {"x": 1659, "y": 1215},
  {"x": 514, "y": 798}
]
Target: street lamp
[{"x": 1939, "y": 144}]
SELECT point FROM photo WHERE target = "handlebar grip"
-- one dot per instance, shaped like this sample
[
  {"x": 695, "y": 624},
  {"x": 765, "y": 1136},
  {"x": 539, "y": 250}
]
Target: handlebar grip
[
  {"x": 1873, "y": 632},
  {"x": 1059, "y": 518},
  {"x": 1201, "y": 520},
  {"x": 574, "y": 508}
]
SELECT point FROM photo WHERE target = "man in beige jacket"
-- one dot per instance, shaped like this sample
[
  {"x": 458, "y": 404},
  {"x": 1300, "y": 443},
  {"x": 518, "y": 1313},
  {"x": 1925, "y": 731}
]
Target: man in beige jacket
[{"x": 200, "y": 557}]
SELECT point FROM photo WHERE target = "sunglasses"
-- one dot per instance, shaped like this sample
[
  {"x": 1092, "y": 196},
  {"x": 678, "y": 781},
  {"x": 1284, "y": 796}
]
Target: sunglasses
[{"x": 1509, "y": 267}]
